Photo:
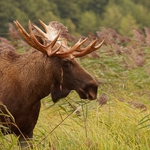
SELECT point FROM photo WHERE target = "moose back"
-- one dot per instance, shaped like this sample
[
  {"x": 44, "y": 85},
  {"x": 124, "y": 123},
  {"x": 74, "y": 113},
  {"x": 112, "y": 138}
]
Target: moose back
[{"x": 51, "y": 68}]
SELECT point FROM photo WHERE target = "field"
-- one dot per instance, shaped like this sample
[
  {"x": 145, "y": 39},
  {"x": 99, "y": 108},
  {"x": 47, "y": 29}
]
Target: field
[{"x": 120, "y": 117}]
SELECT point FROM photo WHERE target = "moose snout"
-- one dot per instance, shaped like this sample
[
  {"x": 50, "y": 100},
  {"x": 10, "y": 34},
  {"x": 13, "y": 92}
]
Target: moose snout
[
  {"x": 92, "y": 90},
  {"x": 89, "y": 91},
  {"x": 92, "y": 95}
]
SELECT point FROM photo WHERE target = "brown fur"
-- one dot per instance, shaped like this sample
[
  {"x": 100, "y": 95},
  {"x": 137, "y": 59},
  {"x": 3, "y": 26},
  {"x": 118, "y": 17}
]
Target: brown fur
[{"x": 27, "y": 78}]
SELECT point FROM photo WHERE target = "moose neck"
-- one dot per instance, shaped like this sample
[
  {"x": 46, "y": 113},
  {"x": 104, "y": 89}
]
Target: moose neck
[{"x": 36, "y": 75}]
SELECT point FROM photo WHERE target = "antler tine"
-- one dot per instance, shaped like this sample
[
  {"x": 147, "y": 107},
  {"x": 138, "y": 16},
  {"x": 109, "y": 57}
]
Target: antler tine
[
  {"x": 26, "y": 36},
  {"x": 50, "y": 53},
  {"x": 45, "y": 49},
  {"x": 23, "y": 32},
  {"x": 90, "y": 48},
  {"x": 74, "y": 48},
  {"x": 43, "y": 25},
  {"x": 39, "y": 30},
  {"x": 32, "y": 40},
  {"x": 48, "y": 30},
  {"x": 37, "y": 44}
]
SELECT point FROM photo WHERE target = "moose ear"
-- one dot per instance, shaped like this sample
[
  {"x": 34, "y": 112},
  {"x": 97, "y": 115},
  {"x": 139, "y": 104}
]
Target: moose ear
[{"x": 58, "y": 93}]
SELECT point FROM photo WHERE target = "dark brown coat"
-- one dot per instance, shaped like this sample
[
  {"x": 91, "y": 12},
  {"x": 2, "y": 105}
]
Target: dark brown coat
[{"x": 27, "y": 78}]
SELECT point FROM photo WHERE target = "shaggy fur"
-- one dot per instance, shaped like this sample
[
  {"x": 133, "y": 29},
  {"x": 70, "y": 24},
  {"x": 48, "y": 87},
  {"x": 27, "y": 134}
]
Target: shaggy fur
[{"x": 27, "y": 78}]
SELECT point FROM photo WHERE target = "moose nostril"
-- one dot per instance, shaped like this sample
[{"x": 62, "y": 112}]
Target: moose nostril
[
  {"x": 92, "y": 91},
  {"x": 92, "y": 95}
]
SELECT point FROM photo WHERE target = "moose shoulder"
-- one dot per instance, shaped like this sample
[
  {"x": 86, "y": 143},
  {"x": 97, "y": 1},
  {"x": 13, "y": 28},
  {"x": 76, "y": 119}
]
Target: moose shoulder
[{"x": 51, "y": 68}]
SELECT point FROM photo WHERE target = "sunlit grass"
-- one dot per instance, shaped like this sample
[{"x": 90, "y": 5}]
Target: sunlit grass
[{"x": 116, "y": 126}]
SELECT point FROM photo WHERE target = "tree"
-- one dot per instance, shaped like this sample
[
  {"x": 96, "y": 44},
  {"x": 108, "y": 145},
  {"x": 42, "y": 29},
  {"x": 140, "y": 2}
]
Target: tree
[
  {"x": 126, "y": 24},
  {"x": 145, "y": 3},
  {"x": 68, "y": 9},
  {"x": 97, "y": 6},
  {"x": 8, "y": 13},
  {"x": 87, "y": 23},
  {"x": 118, "y": 14},
  {"x": 111, "y": 17},
  {"x": 71, "y": 26}
]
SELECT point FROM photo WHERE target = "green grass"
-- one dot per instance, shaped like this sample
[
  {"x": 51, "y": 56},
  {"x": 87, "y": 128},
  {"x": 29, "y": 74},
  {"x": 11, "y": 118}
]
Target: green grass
[
  {"x": 114, "y": 126},
  {"x": 123, "y": 123}
]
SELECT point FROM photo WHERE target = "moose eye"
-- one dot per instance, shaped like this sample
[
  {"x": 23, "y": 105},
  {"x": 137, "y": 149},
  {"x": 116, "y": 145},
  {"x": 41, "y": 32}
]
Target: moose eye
[{"x": 67, "y": 63}]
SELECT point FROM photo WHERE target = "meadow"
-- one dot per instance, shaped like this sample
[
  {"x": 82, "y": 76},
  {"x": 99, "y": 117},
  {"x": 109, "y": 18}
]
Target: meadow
[{"x": 120, "y": 117}]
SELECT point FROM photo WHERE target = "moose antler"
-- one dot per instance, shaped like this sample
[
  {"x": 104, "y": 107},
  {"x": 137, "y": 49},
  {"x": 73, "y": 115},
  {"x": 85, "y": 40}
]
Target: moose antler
[
  {"x": 75, "y": 51},
  {"x": 31, "y": 40},
  {"x": 90, "y": 48}
]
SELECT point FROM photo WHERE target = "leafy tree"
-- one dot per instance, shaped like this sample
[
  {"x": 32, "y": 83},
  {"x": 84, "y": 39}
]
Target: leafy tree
[
  {"x": 141, "y": 15},
  {"x": 39, "y": 10},
  {"x": 68, "y": 9},
  {"x": 83, "y": 5},
  {"x": 126, "y": 24},
  {"x": 137, "y": 11},
  {"x": 111, "y": 18},
  {"x": 71, "y": 26},
  {"x": 8, "y": 13},
  {"x": 87, "y": 23},
  {"x": 145, "y": 3},
  {"x": 79, "y": 16},
  {"x": 97, "y": 6},
  {"x": 118, "y": 14}
]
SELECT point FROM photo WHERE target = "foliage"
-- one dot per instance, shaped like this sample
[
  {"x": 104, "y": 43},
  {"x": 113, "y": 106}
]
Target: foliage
[
  {"x": 126, "y": 25},
  {"x": 88, "y": 19},
  {"x": 81, "y": 17},
  {"x": 125, "y": 15}
]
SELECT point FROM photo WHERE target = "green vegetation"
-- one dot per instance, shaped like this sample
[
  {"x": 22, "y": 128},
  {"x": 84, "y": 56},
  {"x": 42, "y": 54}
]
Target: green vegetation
[
  {"x": 81, "y": 17},
  {"x": 119, "y": 119}
]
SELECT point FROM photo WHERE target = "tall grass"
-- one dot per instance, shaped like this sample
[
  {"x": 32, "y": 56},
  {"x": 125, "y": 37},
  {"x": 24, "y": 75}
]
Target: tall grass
[
  {"x": 118, "y": 120},
  {"x": 115, "y": 125}
]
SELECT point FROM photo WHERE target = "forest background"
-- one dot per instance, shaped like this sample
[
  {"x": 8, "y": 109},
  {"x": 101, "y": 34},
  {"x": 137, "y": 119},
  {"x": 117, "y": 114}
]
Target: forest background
[{"x": 81, "y": 17}]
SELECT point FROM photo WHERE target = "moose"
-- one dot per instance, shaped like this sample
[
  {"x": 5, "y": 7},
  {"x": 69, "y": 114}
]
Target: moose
[{"x": 50, "y": 68}]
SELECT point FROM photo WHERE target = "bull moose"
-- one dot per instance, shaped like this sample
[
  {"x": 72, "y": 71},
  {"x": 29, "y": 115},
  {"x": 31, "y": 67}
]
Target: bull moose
[{"x": 51, "y": 68}]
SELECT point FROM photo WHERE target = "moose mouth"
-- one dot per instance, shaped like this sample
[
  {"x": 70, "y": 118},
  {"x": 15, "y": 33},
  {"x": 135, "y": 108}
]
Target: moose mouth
[{"x": 91, "y": 95}]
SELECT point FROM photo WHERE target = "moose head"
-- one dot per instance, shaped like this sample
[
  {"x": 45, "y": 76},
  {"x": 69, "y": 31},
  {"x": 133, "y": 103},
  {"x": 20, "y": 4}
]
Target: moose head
[{"x": 67, "y": 73}]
